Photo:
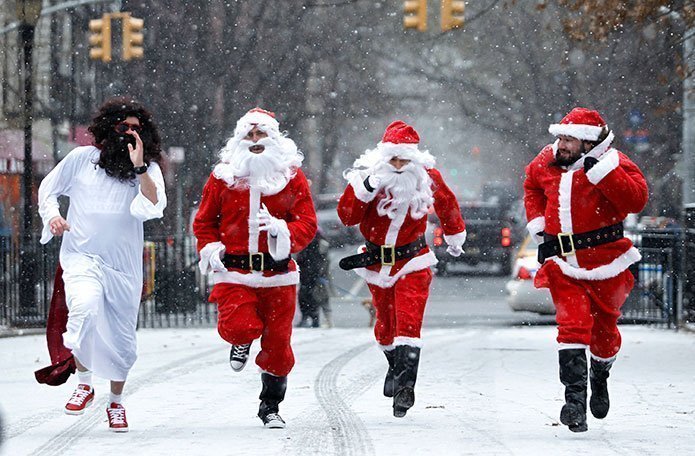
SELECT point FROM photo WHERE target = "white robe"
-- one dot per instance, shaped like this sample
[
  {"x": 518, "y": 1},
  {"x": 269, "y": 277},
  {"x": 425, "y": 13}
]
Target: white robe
[{"x": 101, "y": 257}]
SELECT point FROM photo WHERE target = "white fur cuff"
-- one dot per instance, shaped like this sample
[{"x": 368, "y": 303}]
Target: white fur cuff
[
  {"x": 456, "y": 240},
  {"x": 409, "y": 341},
  {"x": 585, "y": 132},
  {"x": 601, "y": 169},
  {"x": 535, "y": 226},
  {"x": 568, "y": 346}
]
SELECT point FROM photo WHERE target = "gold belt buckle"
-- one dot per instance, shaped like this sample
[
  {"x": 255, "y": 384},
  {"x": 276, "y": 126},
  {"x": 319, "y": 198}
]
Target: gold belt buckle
[
  {"x": 563, "y": 252},
  {"x": 388, "y": 248},
  {"x": 251, "y": 255}
]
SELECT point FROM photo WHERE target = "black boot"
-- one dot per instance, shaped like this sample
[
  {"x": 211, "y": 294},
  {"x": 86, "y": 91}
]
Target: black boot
[
  {"x": 272, "y": 394},
  {"x": 405, "y": 367},
  {"x": 598, "y": 376},
  {"x": 388, "y": 381},
  {"x": 574, "y": 376}
]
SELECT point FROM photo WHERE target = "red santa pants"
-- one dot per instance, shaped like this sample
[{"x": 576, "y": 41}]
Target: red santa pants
[
  {"x": 246, "y": 313},
  {"x": 588, "y": 310},
  {"x": 399, "y": 309}
]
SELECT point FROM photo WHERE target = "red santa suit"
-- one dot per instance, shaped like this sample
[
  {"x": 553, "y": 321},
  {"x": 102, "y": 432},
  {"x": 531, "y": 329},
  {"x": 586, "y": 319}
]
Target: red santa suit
[
  {"x": 590, "y": 286},
  {"x": 400, "y": 291},
  {"x": 255, "y": 303}
]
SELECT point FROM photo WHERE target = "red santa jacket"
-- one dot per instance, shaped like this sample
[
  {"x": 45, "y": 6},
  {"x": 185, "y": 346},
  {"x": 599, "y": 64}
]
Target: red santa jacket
[
  {"x": 359, "y": 206},
  {"x": 569, "y": 200},
  {"x": 225, "y": 216}
]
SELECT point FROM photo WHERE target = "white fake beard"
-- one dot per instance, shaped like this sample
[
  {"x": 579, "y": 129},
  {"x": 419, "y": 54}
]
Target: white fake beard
[
  {"x": 410, "y": 186},
  {"x": 268, "y": 171}
]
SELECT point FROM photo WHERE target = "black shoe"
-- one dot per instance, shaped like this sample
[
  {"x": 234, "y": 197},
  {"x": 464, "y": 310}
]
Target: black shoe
[
  {"x": 272, "y": 421},
  {"x": 402, "y": 401},
  {"x": 598, "y": 377},
  {"x": 573, "y": 374},
  {"x": 238, "y": 356}
]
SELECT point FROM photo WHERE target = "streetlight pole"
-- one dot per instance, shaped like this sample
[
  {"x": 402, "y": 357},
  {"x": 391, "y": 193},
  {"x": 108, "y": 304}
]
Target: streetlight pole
[
  {"x": 28, "y": 13},
  {"x": 689, "y": 118}
]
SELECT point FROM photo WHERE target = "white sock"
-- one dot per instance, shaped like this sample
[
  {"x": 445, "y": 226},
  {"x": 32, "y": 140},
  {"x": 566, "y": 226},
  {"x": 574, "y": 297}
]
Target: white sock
[
  {"x": 115, "y": 398},
  {"x": 85, "y": 378}
]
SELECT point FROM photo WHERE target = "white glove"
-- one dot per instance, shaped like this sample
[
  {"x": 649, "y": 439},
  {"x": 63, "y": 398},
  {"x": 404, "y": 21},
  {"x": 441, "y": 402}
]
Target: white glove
[
  {"x": 211, "y": 258},
  {"x": 266, "y": 222},
  {"x": 454, "y": 250},
  {"x": 216, "y": 261},
  {"x": 373, "y": 182}
]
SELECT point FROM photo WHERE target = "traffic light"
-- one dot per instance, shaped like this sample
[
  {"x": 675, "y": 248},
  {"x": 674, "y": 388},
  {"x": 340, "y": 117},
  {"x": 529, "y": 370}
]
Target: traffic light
[
  {"x": 100, "y": 38},
  {"x": 452, "y": 14},
  {"x": 416, "y": 14},
  {"x": 132, "y": 37}
]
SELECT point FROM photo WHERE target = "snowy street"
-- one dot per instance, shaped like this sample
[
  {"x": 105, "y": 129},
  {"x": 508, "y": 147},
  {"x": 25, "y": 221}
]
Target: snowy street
[{"x": 481, "y": 390}]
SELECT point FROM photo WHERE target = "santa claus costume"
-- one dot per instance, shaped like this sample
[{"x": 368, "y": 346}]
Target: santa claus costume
[
  {"x": 576, "y": 212},
  {"x": 391, "y": 204},
  {"x": 255, "y": 211}
]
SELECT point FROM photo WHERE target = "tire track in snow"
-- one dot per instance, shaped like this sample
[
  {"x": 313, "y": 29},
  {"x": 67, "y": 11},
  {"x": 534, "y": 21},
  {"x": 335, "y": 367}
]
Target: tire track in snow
[
  {"x": 335, "y": 417},
  {"x": 95, "y": 414},
  {"x": 350, "y": 436},
  {"x": 58, "y": 444}
]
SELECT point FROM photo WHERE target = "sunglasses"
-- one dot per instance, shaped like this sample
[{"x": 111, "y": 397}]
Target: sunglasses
[{"x": 123, "y": 127}]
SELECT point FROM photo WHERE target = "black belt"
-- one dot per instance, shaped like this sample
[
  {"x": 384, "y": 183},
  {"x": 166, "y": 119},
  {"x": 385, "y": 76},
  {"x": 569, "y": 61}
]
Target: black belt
[
  {"x": 255, "y": 262},
  {"x": 384, "y": 254},
  {"x": 565, "y": 244}
]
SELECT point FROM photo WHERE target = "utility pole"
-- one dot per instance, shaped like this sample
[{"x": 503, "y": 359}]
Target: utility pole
[
  {"x": 28, "y": 13},
  {"x": 689, "y": 118}
]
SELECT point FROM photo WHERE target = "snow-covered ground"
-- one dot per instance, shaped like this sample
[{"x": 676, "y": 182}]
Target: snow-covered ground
[{"x": 480, "y": 391}]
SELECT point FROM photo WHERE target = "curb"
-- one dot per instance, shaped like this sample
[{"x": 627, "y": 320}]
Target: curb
[{"x": 12, "y": 332}]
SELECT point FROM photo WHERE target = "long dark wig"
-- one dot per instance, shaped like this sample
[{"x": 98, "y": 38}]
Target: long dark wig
[{"x": 114, "y": 157}]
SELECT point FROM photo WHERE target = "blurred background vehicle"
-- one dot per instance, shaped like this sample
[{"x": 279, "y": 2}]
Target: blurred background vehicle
[
  {"x": 332, "y": 229},
  {"x": 490, "y": 239},
  {"x": 522, "y": 295}
]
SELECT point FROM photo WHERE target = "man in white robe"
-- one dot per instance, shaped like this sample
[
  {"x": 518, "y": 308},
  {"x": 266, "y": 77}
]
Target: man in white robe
[{"x": 114, "y": 186}]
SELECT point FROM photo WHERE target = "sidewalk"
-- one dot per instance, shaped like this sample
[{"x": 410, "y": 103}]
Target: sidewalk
[{"x": 480, "y": 391}]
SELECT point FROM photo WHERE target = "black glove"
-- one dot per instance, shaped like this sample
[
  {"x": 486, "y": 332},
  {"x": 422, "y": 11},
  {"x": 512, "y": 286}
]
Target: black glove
[{"x": 589, "y": 163}]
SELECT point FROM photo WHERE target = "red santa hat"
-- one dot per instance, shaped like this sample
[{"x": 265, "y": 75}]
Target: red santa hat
[
  {"x": 580, "y": 123},
  {"x": 400, "y": 132},
  {"x": 257, "y": 117},
  {"x": 401, "y": 140}
]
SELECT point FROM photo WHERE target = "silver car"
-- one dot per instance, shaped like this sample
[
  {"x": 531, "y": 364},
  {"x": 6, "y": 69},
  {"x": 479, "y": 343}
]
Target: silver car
[{"x": 522, "y": 295}]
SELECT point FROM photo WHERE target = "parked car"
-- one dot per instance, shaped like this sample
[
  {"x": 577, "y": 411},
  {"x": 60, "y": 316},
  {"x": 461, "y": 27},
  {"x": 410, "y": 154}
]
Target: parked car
[
  {"x": 522, "y": 295},
  {"x": 490, "y": 237}
]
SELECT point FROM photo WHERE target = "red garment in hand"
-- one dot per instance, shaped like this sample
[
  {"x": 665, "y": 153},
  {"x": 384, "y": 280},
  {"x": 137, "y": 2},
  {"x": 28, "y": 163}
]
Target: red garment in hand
[{"x": 63, "y": 363}]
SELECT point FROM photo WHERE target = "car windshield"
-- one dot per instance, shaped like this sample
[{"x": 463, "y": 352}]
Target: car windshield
[{"x": 481, "y": 212}]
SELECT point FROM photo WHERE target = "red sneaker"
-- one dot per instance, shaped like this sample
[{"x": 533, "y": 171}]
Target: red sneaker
[
  {"x": 117, "y": 421},
  {"x": 81, "y": 398}
]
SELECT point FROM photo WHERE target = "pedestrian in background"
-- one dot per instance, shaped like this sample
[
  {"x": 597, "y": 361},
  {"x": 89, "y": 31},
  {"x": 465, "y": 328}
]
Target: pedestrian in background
[
  {"x": 314, "y": 284},
  {"x": 577, "y": 193},
  {"x": 114, "y": 186}
]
